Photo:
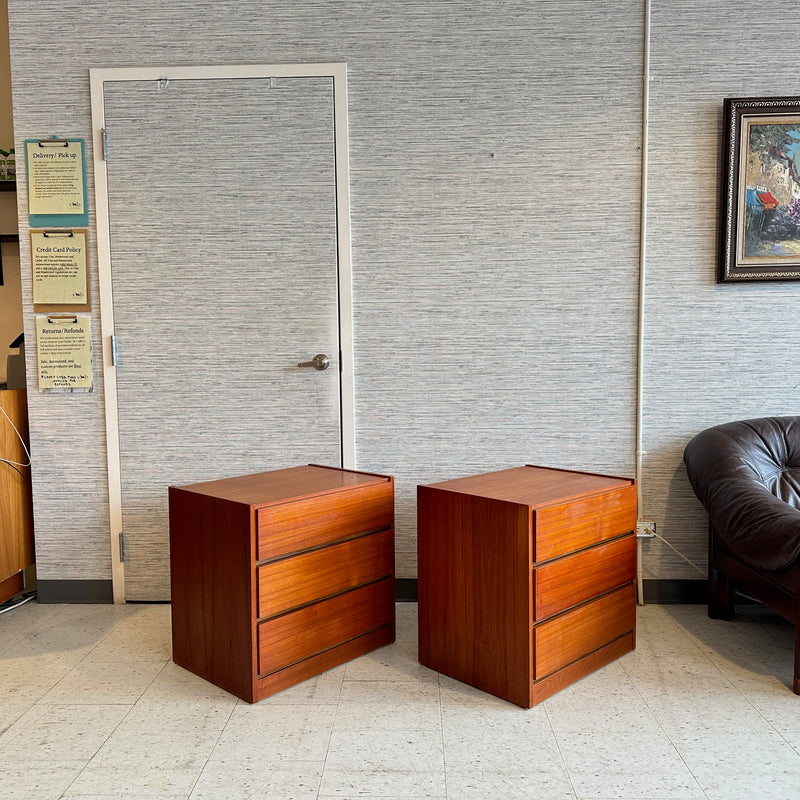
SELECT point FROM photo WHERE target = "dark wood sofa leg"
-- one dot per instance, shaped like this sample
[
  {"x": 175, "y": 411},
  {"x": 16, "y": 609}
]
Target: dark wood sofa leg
[
  {"x": 720, "y": 596},
  {"x": 796, "y": 681},
  {"x": 721, "y": 602}
]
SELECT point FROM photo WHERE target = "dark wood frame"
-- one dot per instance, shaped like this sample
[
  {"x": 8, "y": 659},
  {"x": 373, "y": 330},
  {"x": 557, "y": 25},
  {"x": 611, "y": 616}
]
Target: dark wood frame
[
  {"x": 778, "y": 590},
  {"x": 731, "y": 267}
]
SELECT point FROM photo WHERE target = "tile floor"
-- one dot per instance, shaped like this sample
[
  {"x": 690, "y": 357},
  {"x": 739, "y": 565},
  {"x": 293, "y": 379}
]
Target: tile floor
[{"x": 91, "y": 708}]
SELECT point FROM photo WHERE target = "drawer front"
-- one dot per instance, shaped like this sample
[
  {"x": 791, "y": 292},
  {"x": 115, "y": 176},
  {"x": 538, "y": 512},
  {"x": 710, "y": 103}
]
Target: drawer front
[
  {"x": 568, "y": 637},
  {"x": 293, "y": 637},
  {"x": 302, "y": 524},
  {"x": 567, "y": 582},
  {"x": 565, "y": 528},
  {"x": 296, "y": 581}
]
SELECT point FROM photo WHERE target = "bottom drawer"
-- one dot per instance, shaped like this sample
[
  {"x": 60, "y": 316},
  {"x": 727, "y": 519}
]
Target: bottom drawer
[
  {"x": 293, "y": 637},
  {"x": 568, "y": 637}
]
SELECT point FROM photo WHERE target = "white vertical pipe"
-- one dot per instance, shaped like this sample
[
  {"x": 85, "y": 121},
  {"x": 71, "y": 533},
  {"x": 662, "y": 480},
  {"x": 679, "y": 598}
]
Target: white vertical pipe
[{"x": 642, "y": 276}]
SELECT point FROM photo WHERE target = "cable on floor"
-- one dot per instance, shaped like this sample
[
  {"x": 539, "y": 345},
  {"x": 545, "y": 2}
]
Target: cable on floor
[{"x": 17, "y": 601}]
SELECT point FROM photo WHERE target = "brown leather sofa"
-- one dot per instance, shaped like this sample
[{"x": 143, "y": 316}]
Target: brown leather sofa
[{"x": 747, "y": 475}]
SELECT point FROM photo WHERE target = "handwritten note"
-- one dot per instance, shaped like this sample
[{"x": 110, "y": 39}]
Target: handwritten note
[{"x": 64, "y": 353}]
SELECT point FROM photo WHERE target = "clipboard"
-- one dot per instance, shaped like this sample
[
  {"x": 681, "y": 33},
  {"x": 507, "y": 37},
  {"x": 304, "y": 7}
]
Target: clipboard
[
  {"x": 56, "y": 180},
  {"x": 60, "y": 268},
  {"x": 64, "y": 353}
]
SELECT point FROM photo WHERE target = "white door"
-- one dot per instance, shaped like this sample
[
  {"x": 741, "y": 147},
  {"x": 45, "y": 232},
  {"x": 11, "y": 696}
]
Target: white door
[{"x": 223, "y": 236}]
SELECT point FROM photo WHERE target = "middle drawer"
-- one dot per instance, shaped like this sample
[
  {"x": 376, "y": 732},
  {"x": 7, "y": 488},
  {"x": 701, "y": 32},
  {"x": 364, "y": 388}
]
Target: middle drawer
[
  {"x": 295, "y": 581},
  {"x": 570, "y": 581}
]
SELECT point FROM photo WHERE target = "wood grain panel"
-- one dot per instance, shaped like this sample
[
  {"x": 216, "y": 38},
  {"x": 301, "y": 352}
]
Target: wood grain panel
[
  {"x": 212, "y": 593},
  {"x": 565, "y": 528},
  {"x": 292, "y": 582},
  {"x": 276, "y": 485},
  {"x": 474, "y": 590},
  {"x": 290, "y": 638},
  {"x": 11, "y": 586},
  {"x": 533, "y": 485},
  {"x": 290, "y": 527},
  {"x": 567, "y": 582},
  {"x": 571, "y": 636}
]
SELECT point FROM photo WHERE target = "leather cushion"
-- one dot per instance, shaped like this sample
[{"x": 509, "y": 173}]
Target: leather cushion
[{"x": 747, "y": 475}]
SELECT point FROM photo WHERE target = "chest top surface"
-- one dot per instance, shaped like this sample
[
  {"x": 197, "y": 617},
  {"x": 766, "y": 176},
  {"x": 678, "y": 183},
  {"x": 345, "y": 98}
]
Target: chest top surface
[
  {"x": 282, "y": 485},
  {"x": 534, "y": 486}
]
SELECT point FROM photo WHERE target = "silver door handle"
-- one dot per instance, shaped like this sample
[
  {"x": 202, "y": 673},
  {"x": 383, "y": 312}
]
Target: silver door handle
[{"x": 320, "y": 361}]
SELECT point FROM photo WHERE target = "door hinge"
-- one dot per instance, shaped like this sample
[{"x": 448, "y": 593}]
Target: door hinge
[
  {"x": 122, "y": 547},
  {"x": 104, "y": 135},
  {"x": 114, "y": 351}
]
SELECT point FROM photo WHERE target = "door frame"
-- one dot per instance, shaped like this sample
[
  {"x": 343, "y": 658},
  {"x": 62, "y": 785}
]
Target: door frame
[{"x": 97, "y": 78}]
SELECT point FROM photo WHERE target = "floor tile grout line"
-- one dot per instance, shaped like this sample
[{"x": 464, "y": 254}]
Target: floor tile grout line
[
  {"x": 85, "y": 656},
  {"x": 211, "y": 751},
  {"x": 560, "y": 751},
  {"x": 672, "y": 744},
  {"x": 706, "y": 651},
  {"x": 125, "y": 716},
  {"x": 57, "y": 609},
  {"x": 330, "y": 733},
  {"x": 655, "y": 715},
  {"x": 89, "y": 760},
  {"x": 441, "y": 734},
  {"x": 658, "y": 697}
]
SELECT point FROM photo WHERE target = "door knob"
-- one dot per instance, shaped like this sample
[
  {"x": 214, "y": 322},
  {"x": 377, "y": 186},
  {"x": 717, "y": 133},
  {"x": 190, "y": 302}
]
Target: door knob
[{"x": 320, "y": 361}]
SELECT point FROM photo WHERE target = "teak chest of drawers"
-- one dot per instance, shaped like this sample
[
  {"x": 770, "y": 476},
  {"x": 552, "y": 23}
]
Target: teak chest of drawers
[
  {"x": 526, "y": 578},
  {"x": 280, "y": 575}
]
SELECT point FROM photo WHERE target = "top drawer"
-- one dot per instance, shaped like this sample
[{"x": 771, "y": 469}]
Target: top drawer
[
  {"x": 576, "y": 524},
  {"x": 310, "y": 522}
]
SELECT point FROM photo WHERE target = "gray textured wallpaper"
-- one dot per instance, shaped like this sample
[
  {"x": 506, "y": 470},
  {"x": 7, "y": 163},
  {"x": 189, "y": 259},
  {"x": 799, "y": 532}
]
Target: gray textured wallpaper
[
  {"x": 712, "y": 352},
  {"x": 495, "y": 154},
  {"x": 221, "y": 287}
]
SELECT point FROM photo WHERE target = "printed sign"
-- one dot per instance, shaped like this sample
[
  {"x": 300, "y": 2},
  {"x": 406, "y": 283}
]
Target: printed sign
[
  {"x": 58, "y": 261},
  {"x": 64, "y": 353},
  {"x": 56, "y": 182}
]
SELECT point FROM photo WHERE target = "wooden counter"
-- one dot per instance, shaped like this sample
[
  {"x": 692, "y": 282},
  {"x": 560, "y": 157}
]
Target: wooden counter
[{"x": 16, "y": 508}]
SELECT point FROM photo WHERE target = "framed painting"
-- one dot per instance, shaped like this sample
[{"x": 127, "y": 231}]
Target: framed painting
[{"x": 760, "y": 204}]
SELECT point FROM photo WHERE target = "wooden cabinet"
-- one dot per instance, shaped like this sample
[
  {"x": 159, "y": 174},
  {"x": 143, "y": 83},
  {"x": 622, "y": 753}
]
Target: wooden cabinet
[
  {"x": 16, "y": 508},
  {"x": 280, "y": 575},
  {"x": 526, "y": 578}
]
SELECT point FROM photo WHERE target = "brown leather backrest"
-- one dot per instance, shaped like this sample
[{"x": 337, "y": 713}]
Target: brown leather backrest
[{"x": 747, "y": 475}]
